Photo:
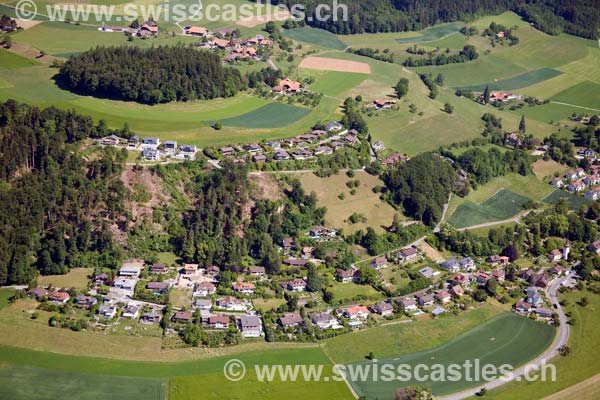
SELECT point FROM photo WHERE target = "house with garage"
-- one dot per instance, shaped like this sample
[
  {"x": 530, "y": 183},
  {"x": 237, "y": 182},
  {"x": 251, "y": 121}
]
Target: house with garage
[
  {"x": 218, "y": 321},
  {"x": 324, "y": 320},
  {"x": 288, "y": 320},
  {"x": 230, "y": 303},
  {"x": 383, "y": 308}
]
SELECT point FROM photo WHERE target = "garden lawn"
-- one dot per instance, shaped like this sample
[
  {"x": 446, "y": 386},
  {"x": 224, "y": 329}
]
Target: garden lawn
[
  {"x": 272, "y": 115},
  {"x": 394, "y": 340},
  {"x": 508, "y": 339},
  {"x": 348, "y": 291},
  {"x": 77, "y": 278},
  {"x": 319, "y": 37},
  {"x": 5, "y": 294}
]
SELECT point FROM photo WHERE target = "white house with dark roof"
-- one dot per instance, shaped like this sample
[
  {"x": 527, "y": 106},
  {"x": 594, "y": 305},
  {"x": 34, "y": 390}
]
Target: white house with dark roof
[{"x": 251, "y": 326}]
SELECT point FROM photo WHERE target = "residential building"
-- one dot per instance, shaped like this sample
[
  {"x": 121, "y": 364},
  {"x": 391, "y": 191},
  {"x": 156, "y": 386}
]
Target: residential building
[
  {"x": 203, "y": 304},
  {"x": 379, "y": 263},
  {"x": 457, "y": 291},
  {"x": 150, "y": 143},
  {"x": 158, "y": 268},
  {"x": 151, "y": 154},
  {"x": 230, "y": 303},
  {"x": 427, "y": 272},
  {"x": 383, "y": 308},
  {"x": 151, "y": 317},
  {"x": 183, "y": 317},
  {"x": 131, "y": 312},
  {"x": 251, "y": 326},
  {"x": 218, "y": 321},
  {"x": 533, "y": 296},
  {"x": 107, "y": 311},
  {"x": 294, "y": 285},
  {"x": 204, "y": 289},
  {"x": 408, "y": 304},
  {"x": 347, "y": 275},
  {"x": 356, "y": 312},
  {"x": 425, "y": 299},
  {"x": 125, "y": 284},
  {"x": 131, "y": 269},
  {"x": 442, "y": 296},
  {"x": 408, "y": 253},
  {"x": 290, "y": 319},
  {"x": 158, "y": 287},
  {"x": 244, "y": 287},
  {"x": 324, "y": 320}
]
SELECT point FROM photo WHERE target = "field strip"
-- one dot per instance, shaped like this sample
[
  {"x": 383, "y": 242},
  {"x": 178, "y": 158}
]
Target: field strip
[
  {"x": 516, "y": 218},
  {"x": 573, "y": 105},
  {"x": 334, "y": 64},
  {"x": 583, "y": 390}
]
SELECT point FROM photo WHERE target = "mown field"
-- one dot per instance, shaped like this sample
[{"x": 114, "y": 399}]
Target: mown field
[
  {"x": 77, "y": 278},
  {"x": 508, "y": 339},
  {"x": 5, "y": 294},
  {"x": 433, "y": 33},
  {"x": 503, "y": 205},
  {"x": 581, "y": 364}
]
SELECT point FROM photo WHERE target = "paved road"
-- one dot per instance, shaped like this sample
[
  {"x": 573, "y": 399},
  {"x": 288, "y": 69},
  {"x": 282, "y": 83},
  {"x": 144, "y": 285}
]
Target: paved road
[{"x": 552, "y": 351}]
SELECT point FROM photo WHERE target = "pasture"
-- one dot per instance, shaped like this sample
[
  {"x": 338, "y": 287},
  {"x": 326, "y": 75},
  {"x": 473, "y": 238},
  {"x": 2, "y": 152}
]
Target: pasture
[
  {"x": 271, "y": 115},
  {"x": 503, "y": 205},
  {"x": 508, "y": 339},
  {"x": 333, "y": 64},
  {"x": 317, "y": 37},
  {"x": 10, "y": 60},
  {"x": 394, "y": 340},
  {"x": 365, "y": 201}
]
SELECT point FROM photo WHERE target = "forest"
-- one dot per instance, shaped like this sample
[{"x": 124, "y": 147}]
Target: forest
[
  {"x": 421, "y": 186},
  {"x": 150, "y": 76},
  {"x": 54, "y": 205},
  {"x": 577, "y": 17}
]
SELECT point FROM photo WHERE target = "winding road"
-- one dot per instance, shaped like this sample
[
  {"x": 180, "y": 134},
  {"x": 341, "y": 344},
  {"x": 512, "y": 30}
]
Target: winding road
[{"x": 560, "y": 340}]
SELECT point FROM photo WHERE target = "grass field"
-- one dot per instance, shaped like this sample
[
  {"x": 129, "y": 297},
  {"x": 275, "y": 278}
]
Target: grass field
[
  {"x": 519, "y": 81},
  {"x": 503, "y": 205},
  {"x": 507, "y": 339},
  {"x": 271, "y": 115},
  {"x": 5, "y": 294},
  {"x": 347, "y": 291},
  {"x": 318, "y": 37},
  {"x": 584, "y": 94},
  {"x": 77, "y": 278},
  {"x": 10, "y": 60},
  {"x": 433, "y": 33},
  {"x": 16, "y": 383},
  {"x": 333, "y": 83},
  {"x": 575, "y": 202},
  {"x": 93, "y": 374},
  {"x": 548, "y": 168},
  {"x": 365, "y": 202},
  {"x": 527, "y": 186},
  {"x": 581, "y": 364},
  {"x": 394, "y": 340}
]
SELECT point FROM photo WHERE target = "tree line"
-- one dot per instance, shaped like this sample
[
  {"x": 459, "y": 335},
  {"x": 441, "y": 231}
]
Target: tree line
[{"x": 577, "y": 17}]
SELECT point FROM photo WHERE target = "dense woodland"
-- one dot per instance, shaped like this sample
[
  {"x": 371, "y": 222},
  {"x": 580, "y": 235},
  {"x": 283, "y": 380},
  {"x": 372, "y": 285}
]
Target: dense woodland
[
  {"x": 578, "y": 17},
  {"x": 53, "y": 204},
  {"x": 150, "y": 76},
  {"x": 421, "y": 186}
]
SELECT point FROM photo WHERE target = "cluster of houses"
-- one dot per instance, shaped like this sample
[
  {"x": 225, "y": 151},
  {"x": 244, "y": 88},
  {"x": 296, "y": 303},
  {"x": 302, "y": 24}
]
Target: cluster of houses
[
  {"x": 503, "y": 97},
  {"x": 382, "y": 104},
  {"x": 147, "y": 29},
  {"x": 237, "y": 49},
  {"x": 578, "y": 181},
  {"x": 302, "y": 147},
  {"x": 152, "y": 148}
]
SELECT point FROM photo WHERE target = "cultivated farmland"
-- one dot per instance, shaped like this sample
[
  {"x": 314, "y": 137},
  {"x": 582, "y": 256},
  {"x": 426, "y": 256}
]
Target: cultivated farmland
[
  {"x": 318, "y": 37},
  {"x": 507, "y": 339}
]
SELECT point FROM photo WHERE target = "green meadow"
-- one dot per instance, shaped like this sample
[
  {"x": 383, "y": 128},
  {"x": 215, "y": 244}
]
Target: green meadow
[
  {"x": 585, "y": 94},
  {"x": 271, "y": 115},
  {"x": 516, "y": 82},
  {"x": 433, "y": 33},
  {"x": 508, "y": 339},
  {"x": 318, "y": 37},
  {"x": 503, "y": 205},
  {"x": 573, "y": 201}
]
